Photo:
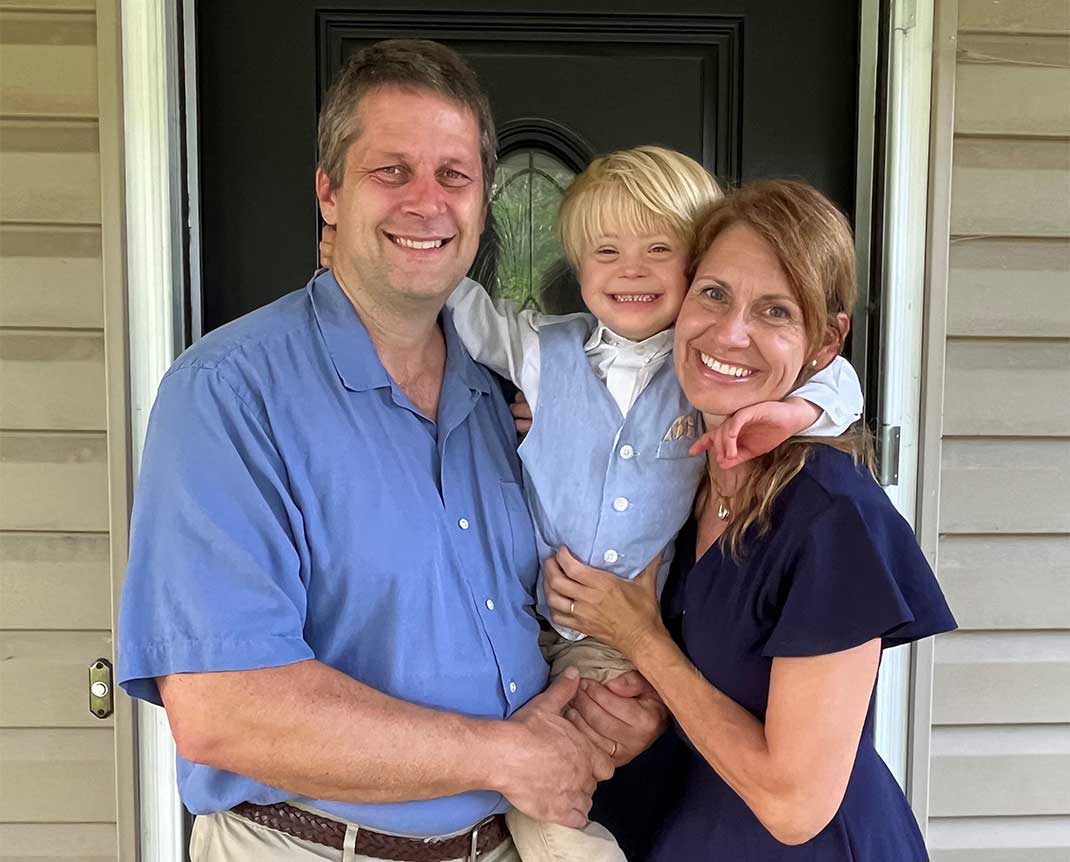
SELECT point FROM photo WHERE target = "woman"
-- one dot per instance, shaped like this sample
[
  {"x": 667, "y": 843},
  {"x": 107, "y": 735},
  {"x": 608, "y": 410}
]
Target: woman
[{"x": 795, "y": 574}]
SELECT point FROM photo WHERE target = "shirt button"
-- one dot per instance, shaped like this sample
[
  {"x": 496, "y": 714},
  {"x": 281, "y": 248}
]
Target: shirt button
[
  {"x": 512, "y": 688},
  {"x": 490, "y": 604},
  {"x": 627, "y": 452},
  {"x": 463, "y": 523},
  {"x": 620, "y": 504},
  {"x": 610, "y": 556}
]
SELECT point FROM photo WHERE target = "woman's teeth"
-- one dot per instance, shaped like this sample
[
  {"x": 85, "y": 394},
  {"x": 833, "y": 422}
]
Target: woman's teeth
[
  {"x": 635, "y": 297},
  {"x": 722, "y": 368},
  {"x": 417, "y": 243}
]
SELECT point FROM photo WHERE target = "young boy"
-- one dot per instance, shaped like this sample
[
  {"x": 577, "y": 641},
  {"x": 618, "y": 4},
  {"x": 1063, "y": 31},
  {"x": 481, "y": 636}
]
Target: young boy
[{"x": 608, "y": 467}]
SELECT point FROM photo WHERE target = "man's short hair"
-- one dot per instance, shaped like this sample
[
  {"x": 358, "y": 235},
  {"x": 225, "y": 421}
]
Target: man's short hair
[
  {"x": 638, "y": 191},
  {"x": 416, "y": 63}
]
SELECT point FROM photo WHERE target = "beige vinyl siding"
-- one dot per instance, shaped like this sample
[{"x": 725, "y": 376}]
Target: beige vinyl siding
[
  {"x": 1000, "y": 744},
  {"x": 57, "y": 761}
]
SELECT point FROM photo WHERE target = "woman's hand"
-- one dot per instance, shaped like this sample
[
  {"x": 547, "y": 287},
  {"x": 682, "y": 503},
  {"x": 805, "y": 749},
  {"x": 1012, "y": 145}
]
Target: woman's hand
[{"x": 618, "y": 612}]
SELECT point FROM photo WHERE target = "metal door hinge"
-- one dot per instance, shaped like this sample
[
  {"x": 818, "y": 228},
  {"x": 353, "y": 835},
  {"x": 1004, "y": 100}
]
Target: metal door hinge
[
  {"x": 101, "y": 702},
  {"x": 888, "y": 455},
  {"x": 904, "y": 15}
]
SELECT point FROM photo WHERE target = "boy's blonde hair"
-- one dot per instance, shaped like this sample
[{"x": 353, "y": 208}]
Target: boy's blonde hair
[{"x": 638, "y": 191}]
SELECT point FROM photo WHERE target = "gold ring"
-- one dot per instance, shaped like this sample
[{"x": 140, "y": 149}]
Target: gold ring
[{"x": 571, "y": 608}]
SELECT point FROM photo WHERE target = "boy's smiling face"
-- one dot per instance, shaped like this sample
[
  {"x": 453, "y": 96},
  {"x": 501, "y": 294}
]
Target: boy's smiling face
[{"x": 635, "y": 284}]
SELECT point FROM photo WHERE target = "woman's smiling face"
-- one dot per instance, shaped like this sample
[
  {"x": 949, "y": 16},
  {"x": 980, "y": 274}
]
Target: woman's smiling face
[{"x": 740, "y": 337}]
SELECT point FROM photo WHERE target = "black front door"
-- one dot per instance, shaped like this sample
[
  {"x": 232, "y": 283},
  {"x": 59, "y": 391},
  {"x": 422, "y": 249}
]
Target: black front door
[{"x": 748, "y": 87}]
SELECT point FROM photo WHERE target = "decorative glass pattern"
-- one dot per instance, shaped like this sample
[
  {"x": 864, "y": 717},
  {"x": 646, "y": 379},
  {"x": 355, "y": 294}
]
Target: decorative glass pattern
[{"x": 529, "y": 264}]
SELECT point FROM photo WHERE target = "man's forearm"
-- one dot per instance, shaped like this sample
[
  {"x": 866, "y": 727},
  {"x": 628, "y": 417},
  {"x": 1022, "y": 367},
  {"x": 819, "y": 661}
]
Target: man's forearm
[{"x": 314, "y": 731}]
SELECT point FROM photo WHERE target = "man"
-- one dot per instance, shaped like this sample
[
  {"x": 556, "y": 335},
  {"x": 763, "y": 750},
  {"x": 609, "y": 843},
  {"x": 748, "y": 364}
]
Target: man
[{"x": 331, "y": 570}]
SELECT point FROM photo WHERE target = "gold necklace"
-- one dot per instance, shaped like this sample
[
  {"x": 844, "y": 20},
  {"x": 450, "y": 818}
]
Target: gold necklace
[{"x": 722, "y": 510}]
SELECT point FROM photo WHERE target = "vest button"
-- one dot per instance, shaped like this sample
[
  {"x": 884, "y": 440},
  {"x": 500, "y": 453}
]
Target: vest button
[
  {"x": 627, "y": 452},
  {"x": 610, "y": 556},
  {"x": 620, "y": 504}
]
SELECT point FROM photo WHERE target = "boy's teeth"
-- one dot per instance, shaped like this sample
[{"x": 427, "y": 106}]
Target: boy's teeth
[
  {"x": 635, "y": 297},
  {"x": 416, "y": 243},
  {"x": 722, "y": 368}
]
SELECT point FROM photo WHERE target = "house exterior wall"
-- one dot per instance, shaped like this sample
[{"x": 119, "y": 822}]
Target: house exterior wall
[
  {"x": 62, "y": 430},
  {"x": 999, "y": 750}
]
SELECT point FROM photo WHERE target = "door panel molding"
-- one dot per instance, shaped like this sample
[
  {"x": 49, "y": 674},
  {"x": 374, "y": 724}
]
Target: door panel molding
[{"x": 714, "y": 42}]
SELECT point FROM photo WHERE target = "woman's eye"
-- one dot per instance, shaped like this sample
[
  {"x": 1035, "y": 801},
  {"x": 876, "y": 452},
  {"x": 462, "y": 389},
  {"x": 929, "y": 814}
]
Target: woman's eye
[
  {"x": 605, "y": 252},
  {"x": 713, "y": 292},
  {"x": 779, "y": 312},
  {"x": 660, "y": 249}
]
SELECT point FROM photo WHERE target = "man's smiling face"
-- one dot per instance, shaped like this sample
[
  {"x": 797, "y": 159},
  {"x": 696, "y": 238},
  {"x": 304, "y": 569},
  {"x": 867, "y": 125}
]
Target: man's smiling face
[{"x": 410, "y": 208}]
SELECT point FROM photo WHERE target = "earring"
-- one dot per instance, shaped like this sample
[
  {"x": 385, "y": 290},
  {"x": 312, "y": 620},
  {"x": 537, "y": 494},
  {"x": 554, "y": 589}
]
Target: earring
[{"x": 813, "y": 363}]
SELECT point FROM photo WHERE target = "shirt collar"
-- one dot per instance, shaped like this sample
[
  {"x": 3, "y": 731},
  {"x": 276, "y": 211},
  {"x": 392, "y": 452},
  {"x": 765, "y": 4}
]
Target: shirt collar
[
  {"x": 351, "y": 349},
  {"x": 657, "y": 344}
]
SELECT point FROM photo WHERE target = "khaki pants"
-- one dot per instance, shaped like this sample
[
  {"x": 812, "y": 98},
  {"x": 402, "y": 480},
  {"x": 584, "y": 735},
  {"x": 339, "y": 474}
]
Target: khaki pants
[
  {"x": 227, "y": 837},
  {"x": 547, "y": 842}
]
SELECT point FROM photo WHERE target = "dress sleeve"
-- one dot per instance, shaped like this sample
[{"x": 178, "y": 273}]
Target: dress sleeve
[
  {"x": 858, "y": 574},
  {"x": 214, "y": 580},
  {"x": 836, "y": 390}
]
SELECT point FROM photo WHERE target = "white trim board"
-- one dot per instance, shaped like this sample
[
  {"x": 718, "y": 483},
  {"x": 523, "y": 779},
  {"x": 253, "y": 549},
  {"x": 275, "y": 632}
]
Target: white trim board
[
  {"x": 903, "y": 302},
  {"x": 153, "y": 219}
]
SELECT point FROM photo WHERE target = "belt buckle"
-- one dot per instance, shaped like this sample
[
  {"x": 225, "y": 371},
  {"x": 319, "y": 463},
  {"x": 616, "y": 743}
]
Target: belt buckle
[{"x": 473, "y": 853}]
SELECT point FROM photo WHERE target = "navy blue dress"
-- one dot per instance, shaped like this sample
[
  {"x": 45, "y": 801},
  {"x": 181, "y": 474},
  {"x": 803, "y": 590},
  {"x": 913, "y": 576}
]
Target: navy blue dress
[{"x": 838, "y": 567}]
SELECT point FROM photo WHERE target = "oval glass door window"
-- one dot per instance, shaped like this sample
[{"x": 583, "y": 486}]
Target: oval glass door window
[{"x": 530, "y": 267}]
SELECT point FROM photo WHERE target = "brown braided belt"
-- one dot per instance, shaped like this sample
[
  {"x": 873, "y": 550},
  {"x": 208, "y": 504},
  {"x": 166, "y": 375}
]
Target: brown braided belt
[{"x": 482, "y": 838}]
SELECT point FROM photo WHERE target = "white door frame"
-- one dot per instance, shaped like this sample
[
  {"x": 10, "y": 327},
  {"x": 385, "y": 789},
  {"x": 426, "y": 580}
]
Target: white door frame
[{"x": 154, "y": 189}]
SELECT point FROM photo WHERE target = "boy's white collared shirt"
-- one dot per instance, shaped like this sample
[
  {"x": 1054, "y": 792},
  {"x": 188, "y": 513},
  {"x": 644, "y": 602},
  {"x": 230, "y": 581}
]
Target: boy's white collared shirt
[{"x": 507, "y": 342}]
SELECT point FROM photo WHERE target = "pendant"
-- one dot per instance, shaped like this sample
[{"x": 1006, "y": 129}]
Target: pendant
[{"x": 722, "y": 511}]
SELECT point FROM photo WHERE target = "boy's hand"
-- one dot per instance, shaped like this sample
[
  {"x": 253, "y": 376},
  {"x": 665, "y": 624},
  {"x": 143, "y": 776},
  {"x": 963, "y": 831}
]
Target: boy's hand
[
  {"x": 755, "y": 430},
  {"x": 327, "y": 245},
  {"x": 521, "y": 411}
]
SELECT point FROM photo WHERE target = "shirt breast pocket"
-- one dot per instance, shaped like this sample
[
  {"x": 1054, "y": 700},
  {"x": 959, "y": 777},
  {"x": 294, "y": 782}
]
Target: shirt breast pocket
[
  {"x": 674, "y": 449},
  {"x": 522, "y": 533}
]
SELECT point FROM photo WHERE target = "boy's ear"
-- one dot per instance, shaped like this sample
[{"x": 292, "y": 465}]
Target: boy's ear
[
  {"x": 835, "y": 336},
  {"x": 325, "y": 194}
]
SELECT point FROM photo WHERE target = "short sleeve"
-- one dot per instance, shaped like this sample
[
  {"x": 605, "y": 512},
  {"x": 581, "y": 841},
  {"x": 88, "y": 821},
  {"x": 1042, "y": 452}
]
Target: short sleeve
[
  {"x": 214, "y": 576},
  {"x": 858, "y": 574}
]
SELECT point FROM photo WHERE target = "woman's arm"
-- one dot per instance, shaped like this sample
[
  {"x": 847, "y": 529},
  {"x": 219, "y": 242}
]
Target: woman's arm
[{"x": 792, "y": 770}]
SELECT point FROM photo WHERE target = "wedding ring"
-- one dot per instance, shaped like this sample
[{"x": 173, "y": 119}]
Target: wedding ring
[{"x": 571, "y": 608}]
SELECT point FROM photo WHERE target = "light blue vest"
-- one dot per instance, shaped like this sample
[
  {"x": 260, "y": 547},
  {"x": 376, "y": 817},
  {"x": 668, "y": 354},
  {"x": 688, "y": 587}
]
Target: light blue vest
[{"x": 613, "y": 490}]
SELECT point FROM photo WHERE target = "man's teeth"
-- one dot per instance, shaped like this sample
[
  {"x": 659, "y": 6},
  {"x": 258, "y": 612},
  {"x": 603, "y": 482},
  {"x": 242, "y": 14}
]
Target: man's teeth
[
  {"x": 417, "y": 243},
  {"x": 722, "y": 368},
  {"x": 635, "y": 297}
]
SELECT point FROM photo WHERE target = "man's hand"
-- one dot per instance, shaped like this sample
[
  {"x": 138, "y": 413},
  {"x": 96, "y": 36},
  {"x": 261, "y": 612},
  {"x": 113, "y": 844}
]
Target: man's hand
[
  {"x": 327, "y": 245},
  {"x": 626, "y": 710},
  {"x": 521, "y": 411},
  {"x": 551, "y": 768},
  {"x": 756, "y": 429}
]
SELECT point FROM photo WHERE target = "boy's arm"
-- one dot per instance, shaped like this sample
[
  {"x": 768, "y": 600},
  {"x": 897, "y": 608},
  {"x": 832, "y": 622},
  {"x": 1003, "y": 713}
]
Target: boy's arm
[
  {"x": 497, "y": 334},
  {"x": 836, "y": 391},
  {"x": 825, "y": 406}
]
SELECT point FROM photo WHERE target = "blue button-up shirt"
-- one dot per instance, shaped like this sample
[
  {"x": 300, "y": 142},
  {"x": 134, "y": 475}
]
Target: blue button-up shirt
[{"x": 294, "y": 504}]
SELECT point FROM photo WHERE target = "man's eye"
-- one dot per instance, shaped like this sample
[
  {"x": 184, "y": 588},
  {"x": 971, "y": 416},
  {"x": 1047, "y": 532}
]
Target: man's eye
[
  {"x": 451, "y": 177},
  {"x": 392, "y": 172}
]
